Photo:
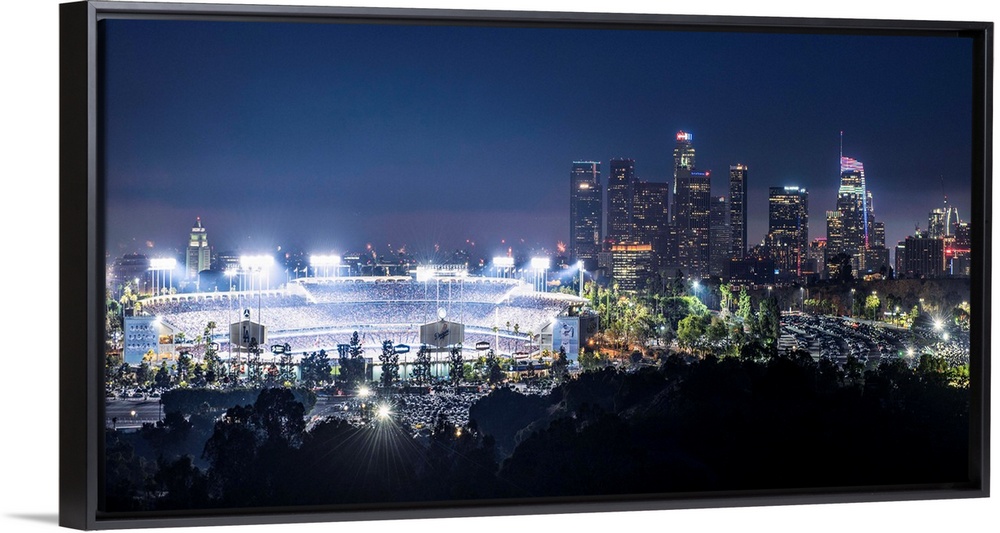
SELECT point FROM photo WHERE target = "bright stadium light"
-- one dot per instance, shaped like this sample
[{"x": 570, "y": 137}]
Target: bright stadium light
[
  {"x": 324, "y": 260},
  {"x": 256, "y": 261},
  {"x": 503, "y": 262},
  {"x": 383, "y": 412},
  {"x": 363, "y": 392},
  {"x": 162, "y": 263},
  {"x": 425, "y": 273},
  {"x": 540, "y": 263}
]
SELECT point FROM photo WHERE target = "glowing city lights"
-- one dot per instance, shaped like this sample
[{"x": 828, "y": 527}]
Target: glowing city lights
[{"x": 256, "y": 261}]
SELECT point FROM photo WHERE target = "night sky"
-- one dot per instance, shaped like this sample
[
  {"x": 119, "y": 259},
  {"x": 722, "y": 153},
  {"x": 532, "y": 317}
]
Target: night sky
[{"x": 326, "y": 137}]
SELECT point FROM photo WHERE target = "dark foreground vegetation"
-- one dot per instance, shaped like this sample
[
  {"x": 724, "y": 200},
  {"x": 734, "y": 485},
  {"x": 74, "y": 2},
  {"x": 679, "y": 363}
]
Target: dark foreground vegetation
[{"x": 699, "y": 425}]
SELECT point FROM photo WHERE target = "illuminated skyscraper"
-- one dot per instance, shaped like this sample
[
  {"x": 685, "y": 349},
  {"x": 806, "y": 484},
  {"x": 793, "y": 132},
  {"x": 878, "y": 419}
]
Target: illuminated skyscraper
[
  {"x": 941, "y": 221},
  {"x": 720, "y": 237},
  {"x": 936, "y": 226},
  {"x": 788, "y": 228},
  {"x": 923, "y": 257},
  {"x": 199, "y": 255},
  {"x": 631, "y": 265},
  {"x": 585, "y": 211},
  {"x": 621, "y": 192},
  {"x": 650, "y": 220},
  {"x": 738, "y": 210},
  {"x": 690, "y": 211},
  {"x": 860, "y": 241},
  {"x": 683, "y": 152}
]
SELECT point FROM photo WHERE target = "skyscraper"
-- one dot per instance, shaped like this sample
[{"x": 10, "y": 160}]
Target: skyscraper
[
  {"x": 738, "y": 210},
  {"x": 720, "y": 237},
  {"x": 923, "y": 257},
  {"x": 631, "y": 265},
  {"x": 941, "y": 221},
  {"x": 199, "y": 255},
  {"x": 683, "y": 152},
  {"x": 621, "y": 192},
  {"x": 585, "y": 212},
  {"x": 936, "y": 226},
  {"x": 788, "y": 228},
  {"x": 862, "y": 240},
  {"x": 650, "y": 216},
  {"x": 690, "y": 211}
]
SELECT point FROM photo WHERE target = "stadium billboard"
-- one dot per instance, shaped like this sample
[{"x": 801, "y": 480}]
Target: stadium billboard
[
  {"x": 245, "y": 332},
  {"x": 566, "y": 334},
  {"x": 145, "y": 333},
  {"x": 442, "y": 333}
]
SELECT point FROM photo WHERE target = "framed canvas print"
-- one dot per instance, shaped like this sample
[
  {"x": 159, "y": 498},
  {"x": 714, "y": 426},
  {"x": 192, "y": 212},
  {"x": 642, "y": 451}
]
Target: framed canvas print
[{"x": 345, "y": 263}]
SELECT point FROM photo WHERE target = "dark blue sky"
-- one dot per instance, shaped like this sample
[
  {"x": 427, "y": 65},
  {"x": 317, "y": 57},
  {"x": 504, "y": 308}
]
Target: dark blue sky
[{"x": 326, "y": 137}]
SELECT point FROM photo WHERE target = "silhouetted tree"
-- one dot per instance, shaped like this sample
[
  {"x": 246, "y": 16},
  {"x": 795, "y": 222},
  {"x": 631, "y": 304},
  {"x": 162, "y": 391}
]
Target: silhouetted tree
[
  {"x": 390, "y": 364},
  {"x": 315, "y": 368},
  {"x": 560, "y": 365},
  {"x": 352, "y": 362},
  {"x": 422, "y": 366},
  {"x": 456, "y": 368}
]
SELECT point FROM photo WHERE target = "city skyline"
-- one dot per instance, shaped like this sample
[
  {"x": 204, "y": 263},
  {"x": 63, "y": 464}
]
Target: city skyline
[{"x": 470, "y": 153}]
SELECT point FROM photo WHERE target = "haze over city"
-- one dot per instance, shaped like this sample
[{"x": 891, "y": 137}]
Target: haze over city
[{"x": 416, "y": 136}]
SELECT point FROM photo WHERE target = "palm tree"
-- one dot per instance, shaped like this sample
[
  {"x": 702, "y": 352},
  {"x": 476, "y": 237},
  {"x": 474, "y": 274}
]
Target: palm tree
[{"x": 517, "y": 329}]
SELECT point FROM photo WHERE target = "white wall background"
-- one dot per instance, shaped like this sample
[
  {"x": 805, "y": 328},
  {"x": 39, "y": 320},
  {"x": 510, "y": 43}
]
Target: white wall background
[{"x": 28, "y": 301}]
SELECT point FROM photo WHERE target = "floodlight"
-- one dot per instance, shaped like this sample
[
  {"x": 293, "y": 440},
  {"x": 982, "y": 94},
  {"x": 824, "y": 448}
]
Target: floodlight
[
  {"x": 324, "y": 260},
  {"x": 540, "y": 263},
  {"x": 503, "y": 262},
  {"x": 256, "y": 261},
  {"x": 425, "y": 273},
  {"x": 162, "y": 263}
]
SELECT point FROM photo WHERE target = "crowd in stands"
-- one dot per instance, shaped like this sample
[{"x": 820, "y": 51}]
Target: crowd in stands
[
  {"x": 382, "y": 310},
  {"x": 348, "y": 290}
]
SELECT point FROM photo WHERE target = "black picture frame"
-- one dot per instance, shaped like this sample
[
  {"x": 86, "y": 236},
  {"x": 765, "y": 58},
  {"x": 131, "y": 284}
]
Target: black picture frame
[{"x": 81, "y": 217}]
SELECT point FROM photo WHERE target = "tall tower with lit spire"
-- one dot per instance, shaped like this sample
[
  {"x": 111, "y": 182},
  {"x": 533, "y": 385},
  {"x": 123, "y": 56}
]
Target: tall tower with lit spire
[
  {"x": 199, "y": 255},
  {"x": 858, "y": 236}
]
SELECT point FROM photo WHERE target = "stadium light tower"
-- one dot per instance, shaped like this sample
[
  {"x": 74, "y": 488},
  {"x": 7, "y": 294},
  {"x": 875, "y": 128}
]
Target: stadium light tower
[
  {"x": 258, "y": 264},
  {"x": 540, "y": 265},
  {"x": 503, "y": 265},
  {"x": 159, "y": 265},
  {"x": 325, "y": 261}
]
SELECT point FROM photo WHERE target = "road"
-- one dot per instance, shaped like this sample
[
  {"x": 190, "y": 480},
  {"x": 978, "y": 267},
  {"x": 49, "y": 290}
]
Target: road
[{"x": 131, "y": 412}]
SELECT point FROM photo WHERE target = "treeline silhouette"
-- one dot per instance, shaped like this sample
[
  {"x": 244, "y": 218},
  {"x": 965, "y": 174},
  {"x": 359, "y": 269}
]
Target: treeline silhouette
[{"x": 686, "y": 425}]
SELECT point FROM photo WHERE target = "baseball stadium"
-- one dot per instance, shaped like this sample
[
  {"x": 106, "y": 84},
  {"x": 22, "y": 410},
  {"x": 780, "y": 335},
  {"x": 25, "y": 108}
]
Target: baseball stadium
[{"x": 321, "y": 313}]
